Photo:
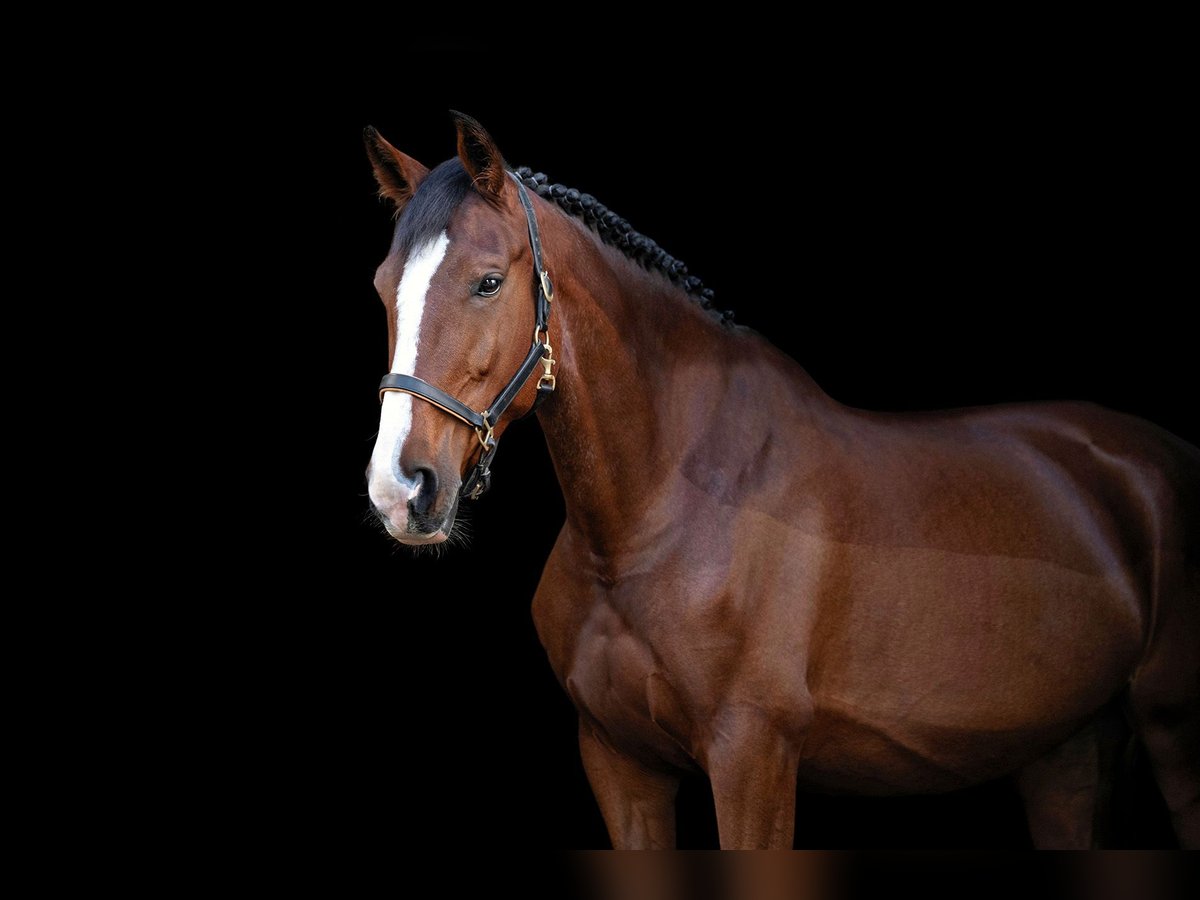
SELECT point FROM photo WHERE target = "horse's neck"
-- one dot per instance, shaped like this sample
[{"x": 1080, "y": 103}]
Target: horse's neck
[{"x": 631, "y": 349}]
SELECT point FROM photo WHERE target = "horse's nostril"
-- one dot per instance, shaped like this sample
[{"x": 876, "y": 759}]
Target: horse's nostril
[{"x": 422, "y": 501}]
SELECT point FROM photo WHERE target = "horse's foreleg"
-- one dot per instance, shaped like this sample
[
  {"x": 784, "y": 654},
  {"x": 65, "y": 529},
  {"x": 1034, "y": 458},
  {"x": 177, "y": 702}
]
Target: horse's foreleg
[
  {"x": 638, "y": 804},
  {"x": 752, "y": 764}
]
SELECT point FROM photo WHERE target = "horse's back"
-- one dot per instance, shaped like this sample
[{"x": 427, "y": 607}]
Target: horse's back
[
  {"x": 1140, "y": 478},
  {"x": 1124, "y": 486}
]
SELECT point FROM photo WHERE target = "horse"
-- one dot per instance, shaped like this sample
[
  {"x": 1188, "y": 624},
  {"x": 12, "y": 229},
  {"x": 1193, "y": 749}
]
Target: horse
[{"x": 756, "y": 582}]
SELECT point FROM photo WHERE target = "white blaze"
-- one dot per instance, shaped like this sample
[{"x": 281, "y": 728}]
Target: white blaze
[{"x": 390, "y": 490}]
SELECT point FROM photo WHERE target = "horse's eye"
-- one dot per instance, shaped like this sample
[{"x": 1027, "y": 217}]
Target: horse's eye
[{"x": 490, "y": 286}]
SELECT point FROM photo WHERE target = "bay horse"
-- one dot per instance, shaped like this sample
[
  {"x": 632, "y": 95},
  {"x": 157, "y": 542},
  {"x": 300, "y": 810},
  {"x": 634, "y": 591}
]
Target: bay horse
[{"x": 756, "y": 582}]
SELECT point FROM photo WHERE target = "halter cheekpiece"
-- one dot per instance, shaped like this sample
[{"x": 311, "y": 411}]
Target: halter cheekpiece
[{"x": 540, "y": 351}]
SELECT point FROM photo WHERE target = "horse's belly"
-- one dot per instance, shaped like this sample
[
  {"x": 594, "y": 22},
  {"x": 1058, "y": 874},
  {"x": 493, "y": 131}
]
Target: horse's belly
[
  {"x": 844, "y": 754},
  {"x": 941, "y": 670}
]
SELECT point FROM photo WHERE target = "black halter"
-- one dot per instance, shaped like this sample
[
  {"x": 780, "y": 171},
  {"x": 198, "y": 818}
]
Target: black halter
[{"x": 480, "y": 478}]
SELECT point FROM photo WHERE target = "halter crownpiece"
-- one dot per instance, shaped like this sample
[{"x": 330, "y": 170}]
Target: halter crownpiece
[{"x": 484, "y": 423}]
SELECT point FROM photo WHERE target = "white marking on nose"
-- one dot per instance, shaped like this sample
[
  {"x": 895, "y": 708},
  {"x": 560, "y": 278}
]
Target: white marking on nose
[{"x": 390, "y": 490}]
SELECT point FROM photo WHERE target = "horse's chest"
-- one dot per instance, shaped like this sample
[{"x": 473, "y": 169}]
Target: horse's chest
[{"x": 614, "y": 678}]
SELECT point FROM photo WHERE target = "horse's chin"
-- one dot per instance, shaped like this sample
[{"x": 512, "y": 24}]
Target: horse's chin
[
  {"x": 421, "y": 540},
  {"x": 439, "y": 535},
  {"x": 411, "y": 539}
]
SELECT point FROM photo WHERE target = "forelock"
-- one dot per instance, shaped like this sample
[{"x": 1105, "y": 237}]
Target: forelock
[{"x": 429, "y": 211}]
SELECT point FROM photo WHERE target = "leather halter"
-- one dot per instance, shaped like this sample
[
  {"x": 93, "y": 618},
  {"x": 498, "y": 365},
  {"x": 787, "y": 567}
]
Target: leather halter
[{"x": 484, "y": 422}]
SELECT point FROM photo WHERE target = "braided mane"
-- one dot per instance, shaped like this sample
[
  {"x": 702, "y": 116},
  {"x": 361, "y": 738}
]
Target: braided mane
[{"x": 617, "y": 232}]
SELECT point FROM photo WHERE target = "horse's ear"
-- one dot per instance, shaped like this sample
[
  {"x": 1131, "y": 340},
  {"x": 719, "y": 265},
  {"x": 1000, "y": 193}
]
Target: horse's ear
[
  {"x": 398, "y": 175},
  {"x": 480, "y": 156}
]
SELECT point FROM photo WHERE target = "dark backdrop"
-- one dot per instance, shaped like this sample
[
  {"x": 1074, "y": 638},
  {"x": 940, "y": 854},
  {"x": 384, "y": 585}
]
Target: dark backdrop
[{"x": 915, "y": 238}]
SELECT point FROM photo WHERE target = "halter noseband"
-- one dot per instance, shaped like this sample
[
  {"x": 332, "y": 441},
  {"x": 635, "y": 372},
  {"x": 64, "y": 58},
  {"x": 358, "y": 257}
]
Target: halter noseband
[{"x": 480, "y": 478}]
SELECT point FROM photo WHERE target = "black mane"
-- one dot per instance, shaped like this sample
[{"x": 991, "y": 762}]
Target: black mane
[
  {"x": 617, "y": 232},
  {"x": 438, "y": 196}
]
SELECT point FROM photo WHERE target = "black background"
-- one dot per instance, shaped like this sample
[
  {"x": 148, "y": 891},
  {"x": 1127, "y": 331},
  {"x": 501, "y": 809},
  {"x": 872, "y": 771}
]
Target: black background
[{"x": 916, "y": 235}]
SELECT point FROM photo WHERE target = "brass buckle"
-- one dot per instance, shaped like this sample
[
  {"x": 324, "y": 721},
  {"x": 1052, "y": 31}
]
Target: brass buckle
[
  {"x": 485, "y": 438},
  {"x": 547, "y": 287}
]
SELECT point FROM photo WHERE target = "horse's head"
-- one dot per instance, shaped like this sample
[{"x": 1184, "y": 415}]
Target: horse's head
[{"x": 458, "y": 285}]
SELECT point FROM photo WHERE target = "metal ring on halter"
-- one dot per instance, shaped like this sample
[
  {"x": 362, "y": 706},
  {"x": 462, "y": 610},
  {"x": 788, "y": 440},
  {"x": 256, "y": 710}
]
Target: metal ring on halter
[{"x": 547, "y": 380}]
